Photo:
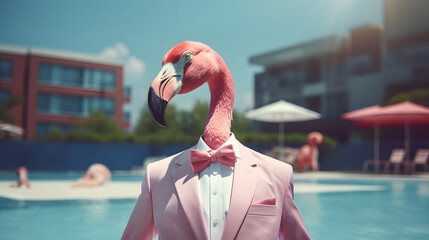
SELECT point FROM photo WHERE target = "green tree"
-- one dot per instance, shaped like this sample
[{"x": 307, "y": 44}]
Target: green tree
[
  {"x": 147, "y": 125},
  {"x": 187, "y": 123},
  {"x": 418, "y": 96},
  {"x": 6, "y": 109},
  {"x": 101, "y": 124},
  {"x": 240, "y": 124},
  {"x": 98, "y": 128},
  {"x": 193, "y": 121}
]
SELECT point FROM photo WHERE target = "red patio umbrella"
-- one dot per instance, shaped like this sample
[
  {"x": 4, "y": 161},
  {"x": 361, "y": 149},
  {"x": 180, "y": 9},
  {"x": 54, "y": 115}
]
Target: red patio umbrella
[
  {"x": 360, "y": 116},
  {"x": 401, "y": 114}
]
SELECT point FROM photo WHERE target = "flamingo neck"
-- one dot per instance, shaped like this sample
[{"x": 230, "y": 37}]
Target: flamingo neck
[{"x": 218, "y": 126}]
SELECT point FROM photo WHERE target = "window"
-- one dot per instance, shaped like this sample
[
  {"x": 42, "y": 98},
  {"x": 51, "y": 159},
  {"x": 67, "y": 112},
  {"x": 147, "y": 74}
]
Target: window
[
  {"x": 415, "y": 53},
  {"x": 43, "y": 102},
  {"x": 126, "y": 116},
  {"x": 289, "y": 77},
  {"x": 97, "y": 78},
  {"x": 77, "y": 77},
  {"x": 71, "y": 105},
  {"x": 312, "y": 70},
  {"x": 109, "y": 80},
  {"x": 72, "y": 76},
  {"x": 109, "y": 107},
  {"x": 6, "y": 70},
  {"x": 4, "y": 96},
  {"x": 337, "y": 104},
  {"x": 362, "y": 64},
  {"x": 314, "y": 103},
  {"x": 74, "y": 106},
  {"x": 127, "y": 91},
  {"x": 45, "y": 73}
]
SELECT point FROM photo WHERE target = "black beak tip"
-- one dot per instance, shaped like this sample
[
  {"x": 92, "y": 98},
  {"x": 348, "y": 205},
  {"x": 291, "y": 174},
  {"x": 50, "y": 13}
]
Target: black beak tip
[{"x": 157, "y": 107}]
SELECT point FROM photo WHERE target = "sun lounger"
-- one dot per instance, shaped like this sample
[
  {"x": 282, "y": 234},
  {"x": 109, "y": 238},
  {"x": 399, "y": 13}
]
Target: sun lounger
[
  {"x": 396, "y": 158},
  {"x": 420, "y": 158}
]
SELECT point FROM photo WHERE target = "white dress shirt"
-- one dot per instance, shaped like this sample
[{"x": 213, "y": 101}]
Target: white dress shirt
[{"x": 215, "y": 184}]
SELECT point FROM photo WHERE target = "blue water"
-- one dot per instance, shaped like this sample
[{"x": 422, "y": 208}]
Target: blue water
[{"x": 400, "y": 211}]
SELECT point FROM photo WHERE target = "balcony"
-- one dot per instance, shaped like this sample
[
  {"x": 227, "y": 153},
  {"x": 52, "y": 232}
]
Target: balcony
[
  {"x": 126, "y": 116},
  {"x": 127, "y": 93}
]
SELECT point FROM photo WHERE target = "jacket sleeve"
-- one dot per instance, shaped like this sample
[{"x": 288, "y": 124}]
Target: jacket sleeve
[
  {"x": 141, "y": 224},
  {"x": 292, "y": 226}
]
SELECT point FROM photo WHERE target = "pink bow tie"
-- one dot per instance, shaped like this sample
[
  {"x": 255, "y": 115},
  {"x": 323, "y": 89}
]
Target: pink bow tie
[{"x": 201, "y": 159}]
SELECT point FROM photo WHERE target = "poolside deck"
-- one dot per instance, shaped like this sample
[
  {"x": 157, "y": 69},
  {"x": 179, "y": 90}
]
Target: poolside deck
[{"x": 62, "y": 190}]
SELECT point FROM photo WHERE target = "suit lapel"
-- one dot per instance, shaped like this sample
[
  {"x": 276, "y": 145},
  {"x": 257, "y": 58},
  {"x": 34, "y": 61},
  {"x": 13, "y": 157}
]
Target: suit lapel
[
  {"x": 186, "y": 183},
  {"x": 243, "y": 189}
]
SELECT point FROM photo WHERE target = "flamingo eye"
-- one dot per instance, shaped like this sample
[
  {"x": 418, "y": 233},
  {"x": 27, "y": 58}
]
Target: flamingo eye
[{"x": 188, "y": 55}]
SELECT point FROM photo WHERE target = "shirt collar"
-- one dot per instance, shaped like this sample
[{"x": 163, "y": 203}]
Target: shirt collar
[{"x": 201, "y": 145}]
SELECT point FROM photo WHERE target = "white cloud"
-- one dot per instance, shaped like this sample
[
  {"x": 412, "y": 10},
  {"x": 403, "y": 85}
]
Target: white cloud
[
  {"x": 117, "y": 52},
  {"x": 248, "y": 100},
  {"x": 133, "y": 76},
  {"x": 134, "y": 66}
]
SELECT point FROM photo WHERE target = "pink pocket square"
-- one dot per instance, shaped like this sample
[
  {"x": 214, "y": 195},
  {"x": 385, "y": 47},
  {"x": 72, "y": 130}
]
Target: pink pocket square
[{"x": 266, "y": 201}]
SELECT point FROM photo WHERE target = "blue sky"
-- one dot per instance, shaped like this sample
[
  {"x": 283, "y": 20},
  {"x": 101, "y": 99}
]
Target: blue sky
[{"x": 141, "y": 32}]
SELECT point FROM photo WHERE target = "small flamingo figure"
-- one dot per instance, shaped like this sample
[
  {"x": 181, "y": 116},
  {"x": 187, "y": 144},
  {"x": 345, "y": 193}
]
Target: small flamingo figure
[
  {"x": 22, "y": 174},
  {"x": 306, "y": 155}
]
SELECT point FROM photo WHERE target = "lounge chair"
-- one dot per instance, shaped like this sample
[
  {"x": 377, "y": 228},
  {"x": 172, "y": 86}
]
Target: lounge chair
[
  {"x": 396, "y": 158},
  {"x": 420, "y": 158}
]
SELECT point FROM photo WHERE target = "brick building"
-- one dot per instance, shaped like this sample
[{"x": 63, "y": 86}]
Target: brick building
[{"x": 59, "y": 88}]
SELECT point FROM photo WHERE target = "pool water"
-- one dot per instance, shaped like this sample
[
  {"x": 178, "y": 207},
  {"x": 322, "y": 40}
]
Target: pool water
[{"x": 399, "y": 211}]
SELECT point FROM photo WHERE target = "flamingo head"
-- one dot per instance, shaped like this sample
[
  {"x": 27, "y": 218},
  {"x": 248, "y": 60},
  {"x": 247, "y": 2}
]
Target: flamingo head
[
  {"x": 315, "y": 138},
  {"x": 21, "y": 169},
  {"x": 185, "y": 67}
]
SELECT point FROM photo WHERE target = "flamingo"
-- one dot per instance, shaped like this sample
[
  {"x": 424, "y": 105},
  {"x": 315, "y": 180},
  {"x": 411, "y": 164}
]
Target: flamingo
[
  {"x": 306, "y": 154},
  {"x": 167, "y": 204},
  {"x": 186, "y": 67}
]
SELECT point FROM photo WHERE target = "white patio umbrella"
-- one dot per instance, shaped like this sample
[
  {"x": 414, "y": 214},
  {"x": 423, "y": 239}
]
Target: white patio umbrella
[
  {"x": 13, "y": 130},
  {"x": 281, "y": 112}
]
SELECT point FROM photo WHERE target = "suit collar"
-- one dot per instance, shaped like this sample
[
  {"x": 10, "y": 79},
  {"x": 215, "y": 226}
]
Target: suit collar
[
  {"x": 186, "y": 183},
  {"x": 247, "y": 155},
  {"x": 243, "y": 189},
  {"x": 184, "y": 157}
]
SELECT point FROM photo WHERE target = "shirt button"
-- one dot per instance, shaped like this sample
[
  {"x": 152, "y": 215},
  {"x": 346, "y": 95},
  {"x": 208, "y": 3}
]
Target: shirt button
[
  {"x": 215, "y": 173},
  {"x": 215, "y": 222},
  {"x": 214, "y": 192}
]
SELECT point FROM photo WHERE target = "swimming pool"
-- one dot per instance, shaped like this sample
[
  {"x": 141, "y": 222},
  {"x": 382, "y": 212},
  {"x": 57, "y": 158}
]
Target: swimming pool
[{"x": 397, "y": 210}]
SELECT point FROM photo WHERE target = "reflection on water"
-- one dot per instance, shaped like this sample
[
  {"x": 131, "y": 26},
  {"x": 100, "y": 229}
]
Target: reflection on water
[
  {"x": 97, "y": 210},
  {"x": 398, "y": 187},
  {"x": 423, "y": 189},
  {"x": 64, "y": 219}
]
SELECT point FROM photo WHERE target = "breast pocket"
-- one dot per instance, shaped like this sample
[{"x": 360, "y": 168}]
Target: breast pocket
[
  {"x": 262, "y": 209},
  {"x": 261, "y": 222}
]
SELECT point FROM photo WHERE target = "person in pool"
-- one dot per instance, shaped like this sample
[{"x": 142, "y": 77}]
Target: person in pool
[
  {"x": 22, "y": 174},
  {"x": 96, "y": 175}
]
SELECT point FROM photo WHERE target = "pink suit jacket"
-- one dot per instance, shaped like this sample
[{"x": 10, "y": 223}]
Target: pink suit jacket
[{"x": 261, "y": 207}]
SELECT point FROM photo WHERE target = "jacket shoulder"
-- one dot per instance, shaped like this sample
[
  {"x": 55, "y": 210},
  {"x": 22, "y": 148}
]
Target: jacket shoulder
[
  {"x": 272, "y": 165},
  {"x": 160, "y": 168}
]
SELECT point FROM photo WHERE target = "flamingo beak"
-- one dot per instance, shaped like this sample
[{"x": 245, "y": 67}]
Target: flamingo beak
[{"x": 165, "y": 86}]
